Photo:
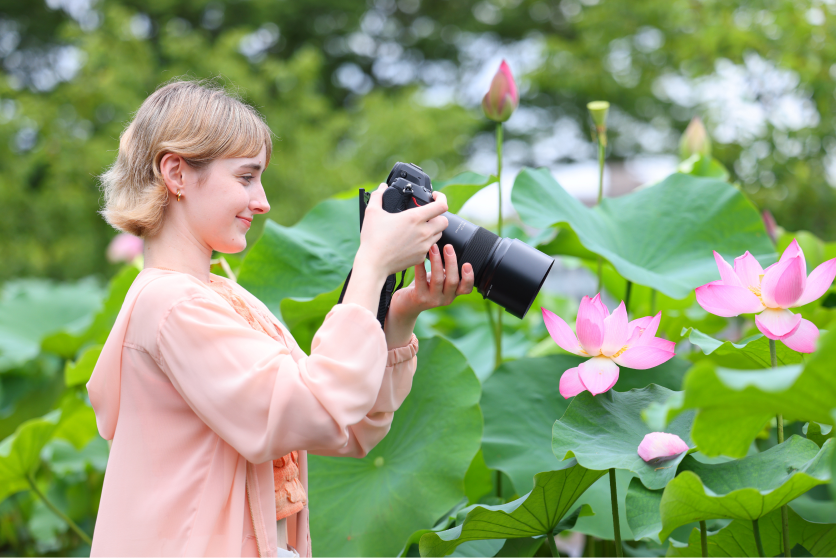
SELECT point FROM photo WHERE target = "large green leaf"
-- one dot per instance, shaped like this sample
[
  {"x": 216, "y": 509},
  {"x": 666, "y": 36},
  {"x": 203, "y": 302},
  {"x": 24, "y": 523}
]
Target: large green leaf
[
  {"x": 737, "y": 539},
  {"x": 643, "y": 514},
  {"x": 537, "y": 513},
  {"x": 30, "y": 309},
  {"x": 605, "y": 431},
  {"x": 310, "y": 258},
  {"x": 304, "y": 317},
  {"x": 20, "y": 452},
  {"x": 746, "y": 489},
  {"x": 662, "y": 236},
  {"x": 462, "y": 187},
  {"x": 733, "y": 405},
  {"x": 79, "y": 372},
  {"x": 754, "y": 348},
  {"x": 369, "y": 506}
]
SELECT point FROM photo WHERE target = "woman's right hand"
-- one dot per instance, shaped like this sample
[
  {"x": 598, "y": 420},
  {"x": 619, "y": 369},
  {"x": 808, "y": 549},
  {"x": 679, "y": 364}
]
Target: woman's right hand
[{"x": 392, "y": 242}]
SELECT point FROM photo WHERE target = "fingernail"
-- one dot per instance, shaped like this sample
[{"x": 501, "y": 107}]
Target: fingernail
[
  {"x": 448, "y": 250},
  {"x": 434, "y": 249}
]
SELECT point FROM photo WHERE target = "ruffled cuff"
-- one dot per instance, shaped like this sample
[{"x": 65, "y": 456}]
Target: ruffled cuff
[{"x": 402, "y": 354}]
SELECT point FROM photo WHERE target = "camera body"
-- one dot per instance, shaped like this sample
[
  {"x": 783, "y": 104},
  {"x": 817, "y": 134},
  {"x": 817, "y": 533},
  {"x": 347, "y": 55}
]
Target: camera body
[{"x": 507, "y": 271}]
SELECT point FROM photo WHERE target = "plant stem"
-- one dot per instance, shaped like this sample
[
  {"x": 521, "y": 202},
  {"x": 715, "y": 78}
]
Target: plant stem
[
  {"x": 627, "y": 296},
  {"x": 616, "y": 525},
  {"x": 499, "y": 484},
  {"x": 552, "y": 545},
  {"x": 82, "y": 535},
  {"x": 785, "y": 520},
  {"x": 756, "y": 530},
  {"x": 703, "y": 539},
  {"x": 652, "y": 302},
  {"x": 498, "y": 359},
  {"x": 602, "y": 150}
]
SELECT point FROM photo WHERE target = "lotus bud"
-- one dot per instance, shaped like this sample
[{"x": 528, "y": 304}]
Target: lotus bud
[
  {"x": 598, "y": 110},
  {"x": 695, "y": 140},
  {"x": 124, "y": 248},
  {"x": 657, "y": 447},
  {"x": 502, "y": 98},
  {"x": 770, "y": 225}
]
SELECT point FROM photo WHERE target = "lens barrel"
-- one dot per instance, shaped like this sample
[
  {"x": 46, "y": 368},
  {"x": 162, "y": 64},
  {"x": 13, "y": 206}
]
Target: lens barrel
[{"x": 507, "y": 271}]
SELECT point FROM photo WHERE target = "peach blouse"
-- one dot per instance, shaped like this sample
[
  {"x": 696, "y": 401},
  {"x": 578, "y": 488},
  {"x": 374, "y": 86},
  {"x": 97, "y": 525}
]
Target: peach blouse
[{"x": 199, "y": 403}]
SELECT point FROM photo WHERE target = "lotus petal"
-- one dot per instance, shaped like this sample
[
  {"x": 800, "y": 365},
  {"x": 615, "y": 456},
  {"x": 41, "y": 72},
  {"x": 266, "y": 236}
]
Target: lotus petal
[
  {"x": 783, "y": 284},
  {"x": 590, "y": 324},
  {"x": 570, "y": 383},
  {"x": 749, "y": 270},
  {"x": 727, "y": 274},
  {"x": 598, "y": 374},
  {"x": 818, "y": 282},
  {"x": 615, "y": 331},
  {"x": 560, "y": 332},
  {"x": 643, "y": 357},
  {"x": 723, "y": 300},
  {"x": 804, "y": 338},
  {"x": 658, "y": 447},
  {"x": 776, "y": 323}
]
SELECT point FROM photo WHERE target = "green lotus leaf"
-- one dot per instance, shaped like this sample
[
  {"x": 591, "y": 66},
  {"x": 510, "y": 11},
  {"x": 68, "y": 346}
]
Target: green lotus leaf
[
  {"x": 20, "y": 452},
  {"x": 662, "y": 236},
  {"x": 643, "y": 511},
  {"x": 744, "y": 489},
  {"x": 733, "y": 405},
  {"x": 32, "y": 309},
  {"x": 461, "y": 188},
  {"x": 79, "y": 372},
  {"x": 605, "y": 431},
  {"x": 304, "y": 317},
  {"x": 537, "y": 513},
  {"x": 755, "y": 348},
  {"x": 370, "y": 506},
  {"x": 310, "y": 258},
  {"x": 819, "y": 433},
  {"x": 737, "y": 539}
]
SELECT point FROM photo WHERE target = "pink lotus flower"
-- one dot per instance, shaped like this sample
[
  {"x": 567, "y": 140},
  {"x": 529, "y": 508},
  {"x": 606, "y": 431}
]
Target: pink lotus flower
[
  {"x": 749, "y": 289},
  {"x": 124, "y": 248},
  {"x": 502, "y": 98},
  {"x": 611, "y": 342},
  {"x": 657, "y": 447}
]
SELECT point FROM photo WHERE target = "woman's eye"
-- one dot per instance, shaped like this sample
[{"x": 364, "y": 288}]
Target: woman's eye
[{"x": 248, "y": 178}]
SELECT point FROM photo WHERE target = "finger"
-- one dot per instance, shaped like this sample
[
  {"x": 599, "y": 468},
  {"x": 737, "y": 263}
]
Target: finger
[
  {"x": 466, "y": 283},
  {"x": 451, "y": 273},
  {"x": 421, "y": 278},
  {"x": 376, "y": 197},
  {"x": 438, "y": 224},
  {"x": 440, "y": 198},
  {"x": 436, "y": 272},
  {"x": 427, "y": 212}
]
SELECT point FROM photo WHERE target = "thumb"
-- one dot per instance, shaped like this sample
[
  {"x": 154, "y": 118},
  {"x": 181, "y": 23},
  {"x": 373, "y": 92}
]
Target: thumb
[{"x": 376, "y": 197}]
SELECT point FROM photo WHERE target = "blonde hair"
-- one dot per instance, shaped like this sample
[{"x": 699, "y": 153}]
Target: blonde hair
[{"x": 197, "y": 120}]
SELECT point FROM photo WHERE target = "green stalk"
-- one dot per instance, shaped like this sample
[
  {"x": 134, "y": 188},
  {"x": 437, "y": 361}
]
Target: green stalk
[
  {"x": 602, "y": 150},
  {"x": 785, "y": 520},
  {"x": 627, "y": 296},
  {"x": 82, "y": 535},
  {"x": 498, "y": 335},
  {"x": 756, "y": 530},
  {"x": 703, "y": 539},
  {"x": 652, "y": 302},
  {"x": 552, "y": 545},
  {"x": 616, "y": 526}
]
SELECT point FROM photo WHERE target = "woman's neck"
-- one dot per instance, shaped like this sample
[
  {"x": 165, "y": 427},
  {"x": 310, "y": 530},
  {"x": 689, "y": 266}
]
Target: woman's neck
[{"x": 178, "y": 250}]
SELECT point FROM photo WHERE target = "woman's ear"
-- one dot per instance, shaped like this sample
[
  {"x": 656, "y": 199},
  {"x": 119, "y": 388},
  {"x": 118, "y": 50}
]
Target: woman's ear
[{"x": 173, "y": 170}]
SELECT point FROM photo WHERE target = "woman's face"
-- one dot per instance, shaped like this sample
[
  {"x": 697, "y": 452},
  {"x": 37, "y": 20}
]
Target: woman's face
[{"x": 220, "y": 210}]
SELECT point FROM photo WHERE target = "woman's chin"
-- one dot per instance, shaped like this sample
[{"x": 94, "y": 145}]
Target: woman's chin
[{"x": 230, "y": 247}]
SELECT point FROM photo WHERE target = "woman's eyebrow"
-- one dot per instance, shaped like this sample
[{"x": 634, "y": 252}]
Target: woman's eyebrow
[{"x": 253, "y": 166}]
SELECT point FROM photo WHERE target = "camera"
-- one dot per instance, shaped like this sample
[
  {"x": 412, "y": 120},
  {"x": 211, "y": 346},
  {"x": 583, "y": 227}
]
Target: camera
[{"x": 507, "y": 271}]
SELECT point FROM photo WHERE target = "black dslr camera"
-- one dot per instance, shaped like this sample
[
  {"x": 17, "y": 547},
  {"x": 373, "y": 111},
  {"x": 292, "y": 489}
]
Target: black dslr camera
[{"x": 507, "y": 271}]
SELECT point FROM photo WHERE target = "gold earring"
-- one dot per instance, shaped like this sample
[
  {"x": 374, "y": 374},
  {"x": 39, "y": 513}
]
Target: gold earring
[{"x": 178, "y": 195}]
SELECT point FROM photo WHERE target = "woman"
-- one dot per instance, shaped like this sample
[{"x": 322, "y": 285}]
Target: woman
[{"x": 209, "y": 402}]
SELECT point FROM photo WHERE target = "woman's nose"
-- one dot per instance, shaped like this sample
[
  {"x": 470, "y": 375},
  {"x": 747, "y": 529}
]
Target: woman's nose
[{"x": 259, "y": 203}]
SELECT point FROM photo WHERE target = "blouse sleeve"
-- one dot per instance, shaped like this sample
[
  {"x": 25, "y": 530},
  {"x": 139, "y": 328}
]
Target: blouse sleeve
[
  {"x": 401, "y": 363},
  {"x": 249, "y": 389}
]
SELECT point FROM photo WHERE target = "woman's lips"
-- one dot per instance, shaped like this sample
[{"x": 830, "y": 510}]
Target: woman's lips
[{"x": 247, "y": 221}]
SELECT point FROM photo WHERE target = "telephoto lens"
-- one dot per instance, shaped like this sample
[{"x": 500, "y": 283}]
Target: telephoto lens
[{"x": 507, "y": 271}]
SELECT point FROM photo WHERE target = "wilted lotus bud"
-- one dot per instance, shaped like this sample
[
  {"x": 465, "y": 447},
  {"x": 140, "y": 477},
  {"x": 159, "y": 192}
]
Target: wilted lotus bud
[
  {"x": 657, "y": 447},
  {"x": 124, "y": 248},
  {"x": 695, "y": 140},
  {"x": 598, "y": 110},
  {"x": 502, "y": 98},
  {"x": 770, "y": 225}
]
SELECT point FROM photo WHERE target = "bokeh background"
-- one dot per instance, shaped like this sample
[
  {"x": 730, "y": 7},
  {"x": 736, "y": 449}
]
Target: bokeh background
[{"x": 349, "y": 87}]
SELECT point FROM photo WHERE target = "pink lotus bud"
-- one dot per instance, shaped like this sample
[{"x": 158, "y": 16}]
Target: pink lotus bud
[
  {"x": 124, "y": 248},
  {"x": 695, "y": 140},
  {"x": 502, "y": 98},
  {"x": 657, "y": 447},
  {"x": 770, "y": 225}
]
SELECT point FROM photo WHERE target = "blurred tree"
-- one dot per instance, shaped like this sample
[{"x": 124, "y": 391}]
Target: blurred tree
[{"x": 350, "y": 87}]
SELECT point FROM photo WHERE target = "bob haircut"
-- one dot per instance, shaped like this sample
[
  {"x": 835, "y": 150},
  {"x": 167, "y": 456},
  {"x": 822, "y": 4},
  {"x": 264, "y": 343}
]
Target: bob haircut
[{"x": 197, "y": 120}]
